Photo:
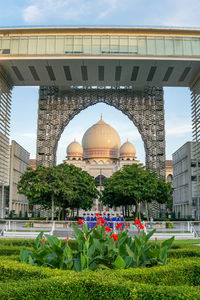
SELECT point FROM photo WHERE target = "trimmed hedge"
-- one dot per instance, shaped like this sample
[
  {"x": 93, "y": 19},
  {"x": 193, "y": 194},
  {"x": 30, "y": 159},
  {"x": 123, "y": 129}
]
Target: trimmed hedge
[
  {"x": 187, "y": 271},
  {"x": 179, "y": 279},
  {"x": 88, "y": 287}
]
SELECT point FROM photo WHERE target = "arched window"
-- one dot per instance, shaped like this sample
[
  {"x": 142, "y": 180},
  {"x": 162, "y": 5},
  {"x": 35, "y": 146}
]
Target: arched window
[{"x": 100, "y": 179}]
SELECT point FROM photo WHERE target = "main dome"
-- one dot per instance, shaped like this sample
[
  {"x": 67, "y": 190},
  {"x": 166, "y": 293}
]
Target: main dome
[{"x": 101, "y": 141}]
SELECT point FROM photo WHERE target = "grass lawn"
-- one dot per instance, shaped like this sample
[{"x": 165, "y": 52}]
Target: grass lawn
[{"x": 178, "y": 279}]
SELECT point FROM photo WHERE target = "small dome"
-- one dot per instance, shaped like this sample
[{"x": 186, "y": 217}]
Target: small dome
[
  {"x": 101, "y": 141},
  {"x": 74, "y": 150},
  {"x": 127, "y": 150}
]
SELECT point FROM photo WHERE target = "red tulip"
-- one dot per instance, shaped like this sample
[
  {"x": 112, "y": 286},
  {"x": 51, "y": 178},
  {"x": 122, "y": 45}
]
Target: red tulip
[
  {"x": 141, "y": 226},
  {"x": 80, "y": 221},
  {"x": 97, "y": 214},
  {"x": 67, "y": 239},
  {"x": 137, "y": 222},
  {"x": 115, "y": 237},
  {"x": 107, "y": 229},
  {"x": 119, "y": 226}
]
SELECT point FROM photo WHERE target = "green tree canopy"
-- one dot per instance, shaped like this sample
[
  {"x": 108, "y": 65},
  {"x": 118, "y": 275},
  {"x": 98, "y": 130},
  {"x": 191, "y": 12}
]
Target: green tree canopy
[
  {"x": 133, "y": 185},
  {"x": 63, "y": 186}
]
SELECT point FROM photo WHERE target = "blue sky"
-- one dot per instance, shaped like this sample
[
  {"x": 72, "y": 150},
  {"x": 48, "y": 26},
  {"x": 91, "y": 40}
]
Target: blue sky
[{"x": 181, "y": 13}]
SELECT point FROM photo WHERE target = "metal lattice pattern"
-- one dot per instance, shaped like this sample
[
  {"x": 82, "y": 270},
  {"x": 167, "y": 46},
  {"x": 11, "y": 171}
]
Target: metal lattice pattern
[
  {"x": 5, "y": 110},
  {"x": 145, "y": 109},
  {"x": 195, "y": 97}
]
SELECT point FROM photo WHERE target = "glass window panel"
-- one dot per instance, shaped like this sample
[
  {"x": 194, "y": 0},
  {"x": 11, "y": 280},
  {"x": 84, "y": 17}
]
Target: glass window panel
[
  {"x": 133, "y": 45},
  {"x": 41, "y": 49},
  {"x": 178, "y": 46},
  {"x": 114, "y": 44},
  {"x": 50, "y": 47},
  {"x": 96, "y": 44},
  {"x": 69, "y": 44},
  {"x": 195, "y": 46},
  {"x": 32, "y": 46},
  {"x": 142, "y": 45},
  {"x": 160, "y": 46},
  {"x": 23, "y": 46},
  {"x": 78, "y": 45},
  {"x": 123, "y": 44},
  {"x": 151, "y": 46},
  {"x": 169, "y": 46},
  {"x": 5, "y": 43},
  {"x": 187, "y": 49},
  {"x": 87, "y": 44},
  {"x": 14, "y": 46},
  {"x": 105, "y": 44},
  {"x": 60, "y": 45}
]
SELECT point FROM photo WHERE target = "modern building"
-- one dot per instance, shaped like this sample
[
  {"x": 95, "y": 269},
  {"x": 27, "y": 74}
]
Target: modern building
[
  {"x": 186, "y": 199},
  {"x": 101, "y": 153},
  {"x": 19, "y": 161},
  {"x": 76, "y": 67}
]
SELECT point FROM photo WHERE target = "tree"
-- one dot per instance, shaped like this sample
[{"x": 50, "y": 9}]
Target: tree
[
  {"x": 62, "y": 186},
  {"x": 133, "y": 185}
]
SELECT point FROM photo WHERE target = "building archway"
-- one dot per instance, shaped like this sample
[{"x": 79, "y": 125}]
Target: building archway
[{"x": 144, "y": 108}]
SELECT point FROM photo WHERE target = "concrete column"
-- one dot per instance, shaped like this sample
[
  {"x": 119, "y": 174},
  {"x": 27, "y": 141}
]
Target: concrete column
[
  {"x": 5, "y": 110},
  {"x": 195, "y": 103}
]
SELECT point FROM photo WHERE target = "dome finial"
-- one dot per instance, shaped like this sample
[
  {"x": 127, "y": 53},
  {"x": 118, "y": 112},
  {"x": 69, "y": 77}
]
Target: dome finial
[
  {"x": 74, "y": 139},
  {"x": 101, "y": 117}
]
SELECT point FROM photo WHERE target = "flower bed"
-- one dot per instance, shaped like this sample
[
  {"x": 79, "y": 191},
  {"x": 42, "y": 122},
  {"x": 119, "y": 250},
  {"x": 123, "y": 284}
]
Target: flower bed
[{"x": 179, "y": 279}]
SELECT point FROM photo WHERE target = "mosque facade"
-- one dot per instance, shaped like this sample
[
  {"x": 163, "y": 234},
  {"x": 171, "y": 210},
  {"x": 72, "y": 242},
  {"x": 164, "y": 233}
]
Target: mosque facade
[{"x": 101, "y": 153}]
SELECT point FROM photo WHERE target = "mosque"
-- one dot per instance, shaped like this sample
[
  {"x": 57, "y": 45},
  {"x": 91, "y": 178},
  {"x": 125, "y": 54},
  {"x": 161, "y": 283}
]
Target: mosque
[{"x": 101, "y": 153}]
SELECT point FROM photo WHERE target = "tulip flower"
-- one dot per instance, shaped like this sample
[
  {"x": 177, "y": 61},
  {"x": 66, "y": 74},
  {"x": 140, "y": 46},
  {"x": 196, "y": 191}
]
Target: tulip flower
[
  {"x": 115, "y": 237},
  {"x": 67, "y": 239},
  {"x": 80, "y": 221},
  {"x": 141, "y": 226},
  {"x": 107, "y": 229},
  {"x": 119, "y": 226},
  {"x": 97, "y": 214}
]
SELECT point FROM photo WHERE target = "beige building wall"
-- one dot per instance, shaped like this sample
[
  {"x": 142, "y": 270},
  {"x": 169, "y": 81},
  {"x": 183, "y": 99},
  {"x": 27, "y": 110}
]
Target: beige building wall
[{"x": 19, "y": 161}]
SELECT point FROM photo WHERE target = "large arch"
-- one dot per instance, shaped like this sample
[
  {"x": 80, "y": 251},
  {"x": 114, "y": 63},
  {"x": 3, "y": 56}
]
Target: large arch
[{"x": 144, "y": 108}]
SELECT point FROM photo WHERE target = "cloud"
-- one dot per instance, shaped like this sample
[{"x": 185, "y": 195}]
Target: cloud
[
  {"x": 179, "y": 129},
  {"x": 29, "y": 135},
  {"x": 68, "y": 11},
  {"x": 32, "y": 14},
  {"x": 184, "y": 13}
]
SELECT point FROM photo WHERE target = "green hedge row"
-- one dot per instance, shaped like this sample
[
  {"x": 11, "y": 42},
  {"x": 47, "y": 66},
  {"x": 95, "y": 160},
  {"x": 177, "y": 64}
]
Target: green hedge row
[
  {"x": 176, "y": 272},
  {"x": 88, "y": 287}
]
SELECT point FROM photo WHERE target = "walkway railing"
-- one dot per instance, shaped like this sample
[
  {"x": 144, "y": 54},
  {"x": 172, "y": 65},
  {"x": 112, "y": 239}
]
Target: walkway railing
[{"x": 64, "y": 228}]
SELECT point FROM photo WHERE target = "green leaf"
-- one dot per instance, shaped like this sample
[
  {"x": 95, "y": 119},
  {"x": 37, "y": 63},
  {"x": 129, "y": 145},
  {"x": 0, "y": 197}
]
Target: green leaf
[
  {"x": 24, "y": 256},
  {"x": 91, "y": 251},
  {"x": 128, "y": 260},
  {"x": 52, "y": 240},
  {"x": 168, "y": 242},
  {"x": 31, "y": 261},
  {"x": 149, "y": 235},
  {"x": 119, "y": 263},
  {"x": 83, "y": 261},
  {"x": 38, "y": 239},
  {"x": 130, "y": 253},
  {"x": 77, "y": 264}
]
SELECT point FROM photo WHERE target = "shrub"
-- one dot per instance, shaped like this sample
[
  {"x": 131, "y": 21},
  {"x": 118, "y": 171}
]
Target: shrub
[{"x": 97, "y": 249}]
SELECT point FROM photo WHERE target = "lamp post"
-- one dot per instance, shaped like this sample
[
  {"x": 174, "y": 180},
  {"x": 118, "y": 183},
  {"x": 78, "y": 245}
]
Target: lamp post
[{"x": 100, "y": 189}]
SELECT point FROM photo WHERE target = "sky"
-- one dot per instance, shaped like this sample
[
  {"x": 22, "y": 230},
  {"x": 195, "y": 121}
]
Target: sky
[{"x": 176, "y": 13}]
